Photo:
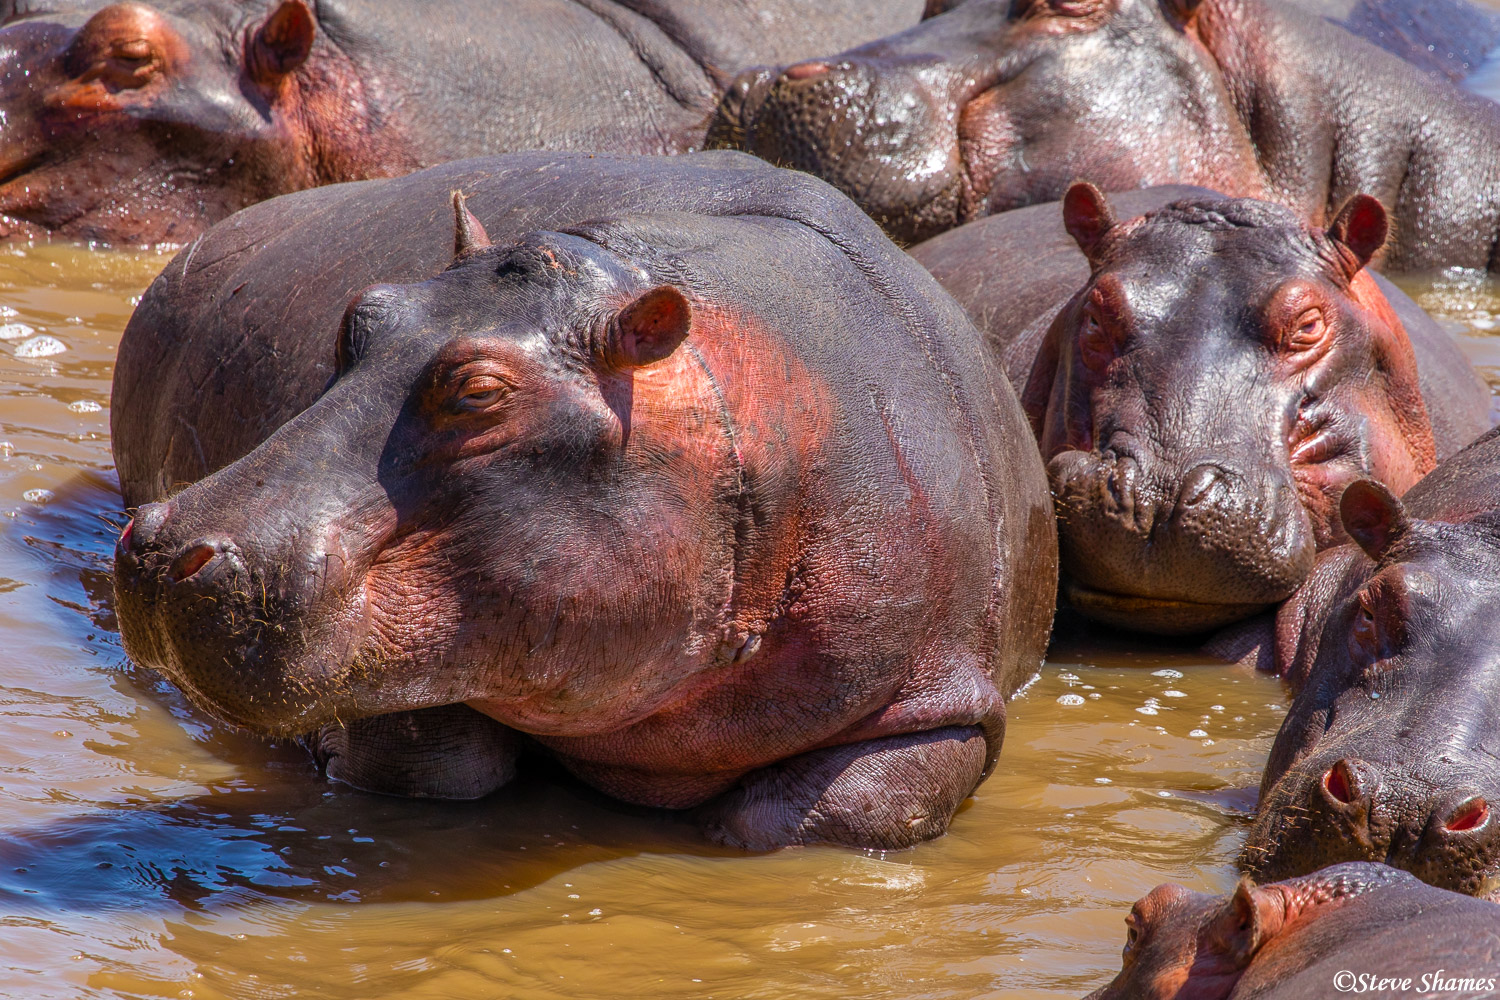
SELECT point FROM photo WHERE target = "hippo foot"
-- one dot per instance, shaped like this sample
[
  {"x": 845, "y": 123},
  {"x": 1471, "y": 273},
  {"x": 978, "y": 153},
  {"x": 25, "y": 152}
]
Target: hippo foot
[
  {"x": 449, "y": 752},
  {"x": 882, "y": 794}
]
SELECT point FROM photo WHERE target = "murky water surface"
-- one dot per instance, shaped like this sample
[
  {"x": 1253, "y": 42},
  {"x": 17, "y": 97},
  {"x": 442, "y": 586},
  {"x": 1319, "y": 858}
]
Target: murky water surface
[{"x": 146, "y": 851}]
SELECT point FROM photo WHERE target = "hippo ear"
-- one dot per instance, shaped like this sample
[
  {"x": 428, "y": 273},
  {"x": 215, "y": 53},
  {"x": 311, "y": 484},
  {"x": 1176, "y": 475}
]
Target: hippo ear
[
  {"x": 282, "y": 43},
  {"x": 468, "y": 233},
  {"x": 649, "y": 328},
  {"x": 1361, "y": 228},
  {"x": 1087, "y": 216},
  {"x": 1373, "y": 517},
  {"x": 1250, "y": 919}
]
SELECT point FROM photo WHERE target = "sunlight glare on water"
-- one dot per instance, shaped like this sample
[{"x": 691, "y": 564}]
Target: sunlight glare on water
[{"x": 147, "y": 851}]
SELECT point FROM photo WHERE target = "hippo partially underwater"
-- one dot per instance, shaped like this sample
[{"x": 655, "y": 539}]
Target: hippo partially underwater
[{"x": 685, "y": 473}]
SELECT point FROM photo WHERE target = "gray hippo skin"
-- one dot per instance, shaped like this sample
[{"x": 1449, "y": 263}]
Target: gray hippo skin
[
  {"x": 1353, "y": 929},
  {"x": 690, "y": 475},
  {"x": 140, "y": 122},
  {"x": 1197, "y": 438},
  {"x": 1393, "y": 649},
  {"x": 999, "y": 104}
]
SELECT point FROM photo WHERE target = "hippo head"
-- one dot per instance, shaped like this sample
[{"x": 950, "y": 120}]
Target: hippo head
[
  {"x": 134, "y": 123},
  {"x": 999, "y": 104},
  {"x": 1183, "y": 945},
  {"x": 502, "y": 496},
  {"x": 1204, "y": 399},
  {"x": 1388, "y": 751}
]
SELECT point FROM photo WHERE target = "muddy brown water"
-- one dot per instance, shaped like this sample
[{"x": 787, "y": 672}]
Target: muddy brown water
[{"x": 146, "y": 851}]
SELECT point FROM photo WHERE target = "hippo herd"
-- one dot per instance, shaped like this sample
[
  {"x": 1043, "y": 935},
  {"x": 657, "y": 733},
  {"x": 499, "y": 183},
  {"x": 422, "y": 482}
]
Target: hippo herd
[{"x": 499, "y": 403}]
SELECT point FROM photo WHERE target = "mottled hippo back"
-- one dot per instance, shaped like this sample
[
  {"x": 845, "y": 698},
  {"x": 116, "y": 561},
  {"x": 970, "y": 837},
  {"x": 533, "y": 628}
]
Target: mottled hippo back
[{"x": 685, "y": 470}]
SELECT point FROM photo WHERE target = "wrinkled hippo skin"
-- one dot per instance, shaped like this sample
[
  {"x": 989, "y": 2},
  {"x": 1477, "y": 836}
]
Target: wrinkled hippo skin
[
  {"x": 1200, "y": 385},
  {"x": 692, "y": 477},
  {"x": 1393, "y": 649},
  {"x": 1289, "y": 940},
  {"x": 995, "y": 105},
  {"x": 139, "y": 122}
]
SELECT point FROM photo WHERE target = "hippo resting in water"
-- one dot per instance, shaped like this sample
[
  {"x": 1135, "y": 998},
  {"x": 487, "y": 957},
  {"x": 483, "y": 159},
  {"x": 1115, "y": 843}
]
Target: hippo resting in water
[
  {"x": 692, "y": 476},
  {"x": 1004, "y": 103},
  {"x": 1203, "y": 382},
  {"x": 139, "y": 122},
  {"x": 1393, "y": 647},
  {"x": 1360, "y": 929}
]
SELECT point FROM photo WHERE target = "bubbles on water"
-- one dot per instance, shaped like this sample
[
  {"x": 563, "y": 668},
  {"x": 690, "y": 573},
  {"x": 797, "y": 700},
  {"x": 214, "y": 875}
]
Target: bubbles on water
[
  {"x": 1173, "y": 693},
  {"x": 1152, "y": 706},
  {"x": 1216, "y": 708},
  {"x": 15, "y": 331},
  {"x": 1094, "y": 696},
  {"x": 1167, "y": 673},
  {"x": 41, "y": 346},
  {"x": 6, "y": 312},
  {"x": 1103, "y": 781},
  {"x": 1198, "y": 734},
  {"x": 38, "y": 496},
  {"x": 1070, "y": 699},
  {"x": 84, "y": 406},
  {"x": 1069, "y": 678}
]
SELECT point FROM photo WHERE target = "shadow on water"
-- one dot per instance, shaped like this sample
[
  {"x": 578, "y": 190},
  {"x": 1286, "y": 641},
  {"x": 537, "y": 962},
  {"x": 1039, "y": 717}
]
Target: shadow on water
[{"x": 307, "y": 841}]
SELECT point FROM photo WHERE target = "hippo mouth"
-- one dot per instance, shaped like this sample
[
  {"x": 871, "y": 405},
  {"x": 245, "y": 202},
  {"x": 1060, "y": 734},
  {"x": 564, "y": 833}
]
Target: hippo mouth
[{"x": 1163, "y": 616}]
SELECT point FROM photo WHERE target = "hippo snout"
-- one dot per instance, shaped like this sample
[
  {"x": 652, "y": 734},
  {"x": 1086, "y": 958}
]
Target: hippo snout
[
  {"x": 1145, "y": 546},
  {"x": 222, "y": 617},
  {"x": 1442, "y": 831}
]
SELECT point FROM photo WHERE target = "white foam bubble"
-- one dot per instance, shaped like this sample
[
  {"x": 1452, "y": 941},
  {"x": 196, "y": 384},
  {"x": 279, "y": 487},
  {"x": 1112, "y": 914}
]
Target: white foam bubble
[
  {"x": 38, "y": 496},
  {"x": 15, "y": 331},
  {"x": 1166, "y": 672},
  {"x": 43, "y": 346},
  {"x": 1070, "y": 699},
  {"x": 84, "y": 406}
]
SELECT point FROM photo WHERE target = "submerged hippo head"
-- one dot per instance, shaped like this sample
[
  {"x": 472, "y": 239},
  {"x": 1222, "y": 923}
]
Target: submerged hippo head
[
  {"x": 459, "y": 515},
  {"x": 139, "y": 123},
  {"x": 998, "y": 104},
  {"x": 1288, "y": 939},
  {"x": 1204, "y": 399},
  {"x": 1388, "y": 752}
]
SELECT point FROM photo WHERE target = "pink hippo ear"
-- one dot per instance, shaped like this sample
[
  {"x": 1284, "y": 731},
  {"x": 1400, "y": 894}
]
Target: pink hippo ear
[
  {"x": 1373, "y": 517},
  {"x": 468, "y": 233},
  {"x": 283, "y": 42},
  {"x": 1087, "y": 217},
  {"x": 1250, "y": 919},
  {"x": 1361, "y": 228},
  {"x": 649, "y": 328}
]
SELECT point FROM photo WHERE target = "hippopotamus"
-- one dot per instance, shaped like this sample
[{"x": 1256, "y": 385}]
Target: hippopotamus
[
  {"x": 1352, "y": 928},
  {"x": 999, "y": 104},
  {"x": 143, "y": 122},
  {"x": 1203, "y": 381},
  {"x": 613, "y": 469},
  {"x": 1392, "y": 648}
]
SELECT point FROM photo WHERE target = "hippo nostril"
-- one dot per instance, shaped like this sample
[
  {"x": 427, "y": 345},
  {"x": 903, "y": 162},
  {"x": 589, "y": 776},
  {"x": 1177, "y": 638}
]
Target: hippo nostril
[
  {"x": 1200, "y": 482},
  {"x": 1342, "y": 784},
  {"x": 1468, "y": 817},
  {"x": 191, "y": 561},
  {"x": 806, "y": 71}
]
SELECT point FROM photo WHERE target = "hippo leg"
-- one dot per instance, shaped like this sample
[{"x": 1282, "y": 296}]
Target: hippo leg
[
  {"x": 882, "y": 794},
  {"x": 450, "y": 752}
]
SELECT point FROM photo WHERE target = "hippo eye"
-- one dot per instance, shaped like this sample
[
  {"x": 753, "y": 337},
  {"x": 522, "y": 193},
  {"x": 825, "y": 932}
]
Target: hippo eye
[
  {"x": 1378, "y": 630},
  {"x": 1096, "y": 345},
  {"x": 137, "y": 50},
  {"x": 479, "y": 393},
  {"x": 1307, "y": 331}
]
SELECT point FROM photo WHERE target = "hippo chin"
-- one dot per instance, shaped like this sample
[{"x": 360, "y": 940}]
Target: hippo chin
[
  {"x": 621, "y": 486},
  {"x": 1203, "y": 381},
  {"x": 135, "y": 122},
  {"x": 1393, "y": 648},
  {"x": 1361, "y": 928},
  {"x": 1004, "y": 103}
]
